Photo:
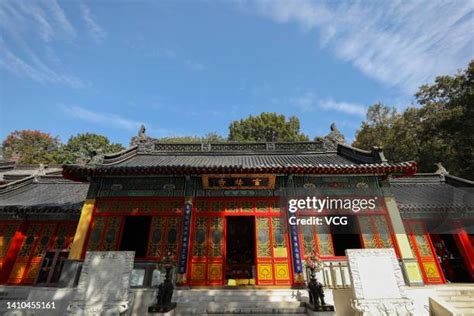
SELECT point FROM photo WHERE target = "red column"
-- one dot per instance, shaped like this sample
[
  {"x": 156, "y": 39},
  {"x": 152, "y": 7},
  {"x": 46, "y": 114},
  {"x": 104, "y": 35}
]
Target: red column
[
  {"x": 12, "y": 252},
  {"x": 467, "y": 250}
]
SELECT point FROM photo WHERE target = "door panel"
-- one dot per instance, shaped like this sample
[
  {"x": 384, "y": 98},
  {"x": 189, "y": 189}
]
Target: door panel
[{"x": 420, "y": 243}]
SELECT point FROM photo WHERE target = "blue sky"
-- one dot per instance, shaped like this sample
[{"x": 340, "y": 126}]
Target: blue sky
[{"x": 191, "y": 67}]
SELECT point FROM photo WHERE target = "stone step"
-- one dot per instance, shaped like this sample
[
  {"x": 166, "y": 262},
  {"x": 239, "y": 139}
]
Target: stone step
[
  {"x": 271, "y": 314},
  {"x": 233, "y": 304},
  {"x": 454, "y": 294},
  {"x": 462, "y": 304},
  {"x": 225, "y": 292},
  {"x": 242, "y": 308},
  {"x": 260, "y": 297},
  {"x": 263, "y": 299},
  {"x": 461, "y": 298},
  {"x": 450, "y": 298},
  {"x": 240, "y": 295},
  {"x": 248, "y": 311}
]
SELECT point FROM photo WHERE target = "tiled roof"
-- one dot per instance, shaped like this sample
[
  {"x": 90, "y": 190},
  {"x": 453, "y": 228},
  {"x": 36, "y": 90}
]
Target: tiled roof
[
  {"x": 45, "y": 192},
  {"x": 11, "y": 171},
  {"x": 297, "y": 157},
  {"x": 234, "y": 161},
  {"x": 430, "y": 192}
]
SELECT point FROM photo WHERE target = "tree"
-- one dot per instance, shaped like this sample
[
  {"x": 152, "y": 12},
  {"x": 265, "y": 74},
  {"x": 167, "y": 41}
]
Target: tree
[
  {"x": 441, "y": 129},
  {"x": 82, "y": 147},
  {"x": 209, "y": 138},
  {"x": 30, "y": 147},
  {"x": 266, "y": 127},
  {"x": 448, "y": 111},
  {"x": 376, "y": 129}
]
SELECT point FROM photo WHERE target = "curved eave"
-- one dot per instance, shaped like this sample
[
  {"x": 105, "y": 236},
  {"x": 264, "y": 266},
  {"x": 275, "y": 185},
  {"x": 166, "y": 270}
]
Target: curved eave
[
  {"x": 83, "y": 173},
  {"x": 445, "y": 208},
  {"x": 42, "y": 208}
]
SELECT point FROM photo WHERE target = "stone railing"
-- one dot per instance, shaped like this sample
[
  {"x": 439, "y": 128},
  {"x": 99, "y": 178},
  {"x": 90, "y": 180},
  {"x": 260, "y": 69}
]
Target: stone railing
[{"x": 335, "y": 275}]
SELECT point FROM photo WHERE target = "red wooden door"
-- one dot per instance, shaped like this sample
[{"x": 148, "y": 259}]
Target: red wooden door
[
  {"x": 39, "y": 237},
  {"x": 207, "y": 264},
  {"x": 421, "y": 245}
]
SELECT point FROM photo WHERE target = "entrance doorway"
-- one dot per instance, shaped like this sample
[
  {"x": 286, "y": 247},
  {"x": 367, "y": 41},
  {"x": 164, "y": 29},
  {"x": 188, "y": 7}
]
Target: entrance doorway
[
  {"x": 240, "y": 247},
  {"x": 346, "y": 236},
  {"x": 135, "y": 235},
  {"x": 450, "y": 258}
]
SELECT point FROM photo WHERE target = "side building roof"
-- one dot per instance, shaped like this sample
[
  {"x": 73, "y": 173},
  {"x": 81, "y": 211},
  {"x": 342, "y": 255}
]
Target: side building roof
[
  {"x": 42, "y": 195},
  {"x": 11, "y": 171},
  {"x": 433, "y": 192}
]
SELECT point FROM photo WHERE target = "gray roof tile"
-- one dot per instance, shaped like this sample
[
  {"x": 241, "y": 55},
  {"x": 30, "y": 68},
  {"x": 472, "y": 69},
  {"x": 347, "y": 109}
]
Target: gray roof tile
[{"x": 44, "y": 192}]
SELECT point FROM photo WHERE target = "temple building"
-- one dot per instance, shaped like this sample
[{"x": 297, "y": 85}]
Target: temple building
[{"x": 217, "y": 210}]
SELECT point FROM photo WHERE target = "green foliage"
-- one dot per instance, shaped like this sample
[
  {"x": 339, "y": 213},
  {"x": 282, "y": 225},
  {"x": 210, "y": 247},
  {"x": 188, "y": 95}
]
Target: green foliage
[
  {"x": 441, "y": 129},
  {"x": 82, "y": 147},
  {"x": 30, "y": 147},
  {"x": 33, "y": 147},
  {"x": 209, "y": 138},
  {"x": 266, "y": 127}
]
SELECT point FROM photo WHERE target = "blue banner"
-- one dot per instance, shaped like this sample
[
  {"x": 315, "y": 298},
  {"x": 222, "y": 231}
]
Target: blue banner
[
  {"x": 183, "y": 257},
  {"x": 295, "y": 249}
]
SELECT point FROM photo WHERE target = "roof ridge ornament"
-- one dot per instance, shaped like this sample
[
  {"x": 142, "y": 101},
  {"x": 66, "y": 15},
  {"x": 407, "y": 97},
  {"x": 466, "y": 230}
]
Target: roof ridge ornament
[
  {"x": 441, "y": 171},
  {"x": 377, "y": 151},
  {"x": 270, "y": 146},
  {"x": 98, "y": 157},
  {"x": 41, "y": 171},
  {"x": 335, "y": 135},
  {"x": 144, "y": 143},
  {"x": 141, "y": 132}
]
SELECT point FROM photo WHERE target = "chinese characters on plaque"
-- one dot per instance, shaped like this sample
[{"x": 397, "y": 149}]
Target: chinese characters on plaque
[{"x": 239, "y": 181}]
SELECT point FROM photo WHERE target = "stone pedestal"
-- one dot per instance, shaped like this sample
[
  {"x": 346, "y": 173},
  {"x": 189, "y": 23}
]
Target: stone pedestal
[
  {"x": 166, "y": 310},
  {"x": 319, "y": 310}
]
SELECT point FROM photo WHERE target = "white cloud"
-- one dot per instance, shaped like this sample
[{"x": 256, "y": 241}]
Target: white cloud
[
  {"x": 305, "y": 102},
  {"x": 345, "y": 107},
  {"x": 106, "y": 119},
  {"x": 59, "y": 15},
  {"x": 43, "y": 18},
  {"x": 29, "y": 31},
  {"x": 94, "y": 28},
  {"x": 308, "y": 102},
  {"x": 112, "y": 120},
  {"x": 36, "y": 70},
  {"x": 194, "y": 65},
  {"x": 399, "y": 43}
]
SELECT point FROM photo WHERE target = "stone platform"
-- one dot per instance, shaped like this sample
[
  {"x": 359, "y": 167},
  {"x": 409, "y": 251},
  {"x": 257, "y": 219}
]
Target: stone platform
[
  {"x": 452, "y": 298},
  {"x": 241, "y": 301}
]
